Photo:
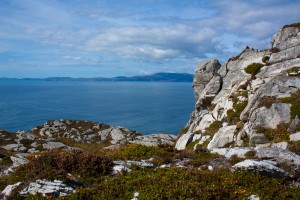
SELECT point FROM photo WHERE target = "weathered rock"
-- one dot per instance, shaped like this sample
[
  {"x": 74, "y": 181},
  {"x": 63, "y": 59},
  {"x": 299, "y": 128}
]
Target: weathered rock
[
  {"x": 203, "y": 74},
  {"x": 281, "y": 145},
  {"x": 54, "y": 188},
  {"x": 14, "y": 147},
  {"x": 229, "y": 152},
  {"x": 19, "y": 159},
  {"x": 53, "y": 145},
  {"x": 295, "y": 137},
  {"x": 183, "y": 141},
  {"x": 286, "y": 38},
  {"x": 264, "y": 167},
  {"x": 294, "y": 125},
  {"x": 8, "y": 190},
  {"x": 22, "y": 135},
  {"x": 154, "y": 139},
  {"x": 222, "y": 137},
  {"x": 280, "y": 155},
  {"x": 271, "y": 117},
  {"x": 117, "y": 136}
]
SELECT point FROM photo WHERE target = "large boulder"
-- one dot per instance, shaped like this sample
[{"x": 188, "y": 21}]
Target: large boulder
[
  {"x": 264, "y": 167},
  {"x": 223, "y": 137}
]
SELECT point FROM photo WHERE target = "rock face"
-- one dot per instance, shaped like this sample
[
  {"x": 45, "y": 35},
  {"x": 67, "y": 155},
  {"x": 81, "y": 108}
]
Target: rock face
[
  {"x": 93, "y": 132},
  {"x": 254, "y": 95},
  {"x": 264, "y": 167}
]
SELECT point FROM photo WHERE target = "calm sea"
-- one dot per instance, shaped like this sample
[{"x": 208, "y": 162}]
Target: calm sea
[{"x": 148, "y": 107}]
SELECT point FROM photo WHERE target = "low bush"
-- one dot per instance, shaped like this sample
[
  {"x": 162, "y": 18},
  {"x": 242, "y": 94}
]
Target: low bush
[
  {"x": 177, "y": 183},
  {"x": 265, "y": 59},
  {"x": 253, "y": 69},
  {"x": 213, "y": 128},
  {"x": 267, "y": 101},
  {"x": 275, "y": 135},
  {"x": 294, "y": 71},
  {"x": 56, "y": 164},
  {"x": 274, "y": 50}
]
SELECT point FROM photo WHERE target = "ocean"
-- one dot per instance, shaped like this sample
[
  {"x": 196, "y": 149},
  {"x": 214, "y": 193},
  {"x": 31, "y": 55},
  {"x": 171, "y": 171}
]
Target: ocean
[{"x": 147, "y": 107}]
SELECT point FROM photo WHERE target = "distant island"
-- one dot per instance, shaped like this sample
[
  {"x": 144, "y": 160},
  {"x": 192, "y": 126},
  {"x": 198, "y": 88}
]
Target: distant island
[{"x": 157, "y": 77}]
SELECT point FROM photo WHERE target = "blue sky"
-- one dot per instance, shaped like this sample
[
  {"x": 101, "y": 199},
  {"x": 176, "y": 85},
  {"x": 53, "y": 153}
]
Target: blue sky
[{"x": 106, "y": 38}]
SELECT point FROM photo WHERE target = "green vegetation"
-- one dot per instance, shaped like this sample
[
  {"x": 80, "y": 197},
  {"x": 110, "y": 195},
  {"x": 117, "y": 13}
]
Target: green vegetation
[
  {"x": 183, "y": 131},
  {"x": 161, "y": 183},
  {"x": 265, "y": 59},
  {"x": 294, "y": 147},
  {"x": 294, "y": 71},
  {"x": 295, "y": 25},
  {"x": 177, "y": 183},
  {"x": 275, "y": 135},
  {"x": 266, "y": 101},
  {"x": 294, "y": 100},
  {"x": 274, "y": 50},
  {"x": 213, "y": 128},
  {"x": 253, "y": 69},
  {"x": 56, "y": 164}
]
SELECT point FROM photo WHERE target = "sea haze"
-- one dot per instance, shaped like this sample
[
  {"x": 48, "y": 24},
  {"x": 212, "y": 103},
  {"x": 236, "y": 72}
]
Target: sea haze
[{"x": 148, "y": 107}]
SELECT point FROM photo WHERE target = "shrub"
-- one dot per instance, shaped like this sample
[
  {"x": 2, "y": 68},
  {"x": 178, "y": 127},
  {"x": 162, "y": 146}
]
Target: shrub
[
  {"x": 266, "y": 101},
  {"x": 294, "y": 147},
  {"x": 138, "y": 152},
  {"x": 275, "y": 135},
  {"x": 213, "y": 128},
  {"x": 56, "y": 164},
  {"x": 294, "y": 71},
  {"x": 177, "y": 183},
  {"x": 295, "y": 25},
  {"x": 265, "y": 59},
  {"x": 253, "y": 68},
  {"x": 274, "y": 50}
]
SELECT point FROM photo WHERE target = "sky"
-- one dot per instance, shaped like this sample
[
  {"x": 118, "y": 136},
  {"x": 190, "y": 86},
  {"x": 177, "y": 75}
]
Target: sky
[{"x": 108, "y": 38}]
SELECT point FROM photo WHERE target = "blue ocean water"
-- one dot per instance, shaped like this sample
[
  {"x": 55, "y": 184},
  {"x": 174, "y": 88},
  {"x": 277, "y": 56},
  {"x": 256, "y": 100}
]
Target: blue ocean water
[{"x": 148, "y": 107}]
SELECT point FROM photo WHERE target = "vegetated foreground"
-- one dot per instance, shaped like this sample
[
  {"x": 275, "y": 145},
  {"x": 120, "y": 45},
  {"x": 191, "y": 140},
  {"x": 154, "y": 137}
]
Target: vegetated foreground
[{"x": 189, "y": 174}]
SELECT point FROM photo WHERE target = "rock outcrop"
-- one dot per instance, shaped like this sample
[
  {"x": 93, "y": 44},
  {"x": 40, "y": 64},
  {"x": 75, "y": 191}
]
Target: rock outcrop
[
  {"x": 250, "y": 104},
  {"x": 251, "y": 95}
]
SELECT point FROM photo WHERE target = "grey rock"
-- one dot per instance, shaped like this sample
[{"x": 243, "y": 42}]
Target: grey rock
[
  {"x": 294, "y": 125},
  {"x": 222, "y": 137},
  {"x": 183, "y": 141},
  {"x": 295, "y": 137},
  {"x": 203, "y": 74},
  {"x": 280, "y": 155},
  {"x": 22, "y": 135},
  {"x": 14, "y": 147},
  {"x": 264, "y": 167},
  {"x": 286, "y": 38},
  {"x": 117, "y": 136},
  {"x": 271, "y": 117},
  {"x": 53, "y": 145},
  {"x": 54, "y": 188},
  {"x": 281, "y": 145},
  {"x": 286, "y": 54},
  {"x": 154, "y": 140},
  {"x": 9, "y": 189},
  {"x": 229, "y": 152},
  {"x": 20, "y": 160}
]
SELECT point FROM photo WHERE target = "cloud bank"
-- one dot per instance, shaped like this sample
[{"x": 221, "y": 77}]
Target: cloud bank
[{"x": 112, "y": 38}]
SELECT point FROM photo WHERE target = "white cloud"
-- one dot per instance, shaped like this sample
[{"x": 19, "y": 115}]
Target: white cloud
[{"x": 71, "y": 57}]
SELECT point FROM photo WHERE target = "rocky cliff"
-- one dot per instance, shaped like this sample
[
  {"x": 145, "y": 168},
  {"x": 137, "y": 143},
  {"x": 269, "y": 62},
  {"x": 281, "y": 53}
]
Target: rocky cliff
[{"x": 252, "y": 100}]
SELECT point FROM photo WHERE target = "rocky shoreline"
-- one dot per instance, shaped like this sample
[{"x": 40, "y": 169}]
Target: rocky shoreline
[{"x": 241, "y": 142}]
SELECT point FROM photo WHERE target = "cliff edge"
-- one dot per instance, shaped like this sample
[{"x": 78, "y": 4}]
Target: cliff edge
[{"x": 252, "y": 100}]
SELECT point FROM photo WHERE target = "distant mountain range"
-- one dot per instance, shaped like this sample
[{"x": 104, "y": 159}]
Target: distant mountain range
[{"x": 158, "y": 77}]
